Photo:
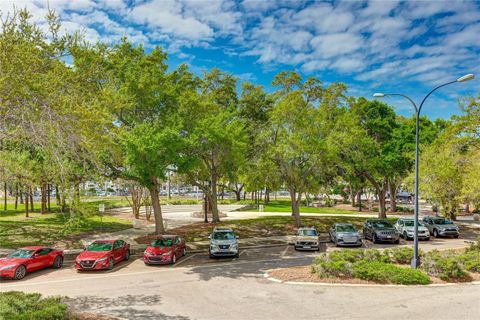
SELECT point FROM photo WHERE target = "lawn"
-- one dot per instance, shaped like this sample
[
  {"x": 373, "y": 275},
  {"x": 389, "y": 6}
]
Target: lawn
[
  {"x": 260, "y": 227},
  {"x": 50, "y": 229},
  {"x": 285, "y": 206}
]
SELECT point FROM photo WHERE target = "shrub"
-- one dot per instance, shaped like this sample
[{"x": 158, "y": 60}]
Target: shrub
[
  {"x": 388, "y": 273},
  {"x": 400, "y": 255},
  {"x": 339, "y": 269},
  {"x": 375, "y": 255},
  {"x": 471, "y": 261},
  {"x": 446, "y": 266},
  {"x": 474, "y": 246},
  {"x": 346, "y": 255},
  {"x": 16, "y": 305}
]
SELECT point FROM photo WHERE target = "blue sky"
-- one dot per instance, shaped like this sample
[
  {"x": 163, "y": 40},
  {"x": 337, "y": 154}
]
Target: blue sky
[{"x": 390, "y": 46}]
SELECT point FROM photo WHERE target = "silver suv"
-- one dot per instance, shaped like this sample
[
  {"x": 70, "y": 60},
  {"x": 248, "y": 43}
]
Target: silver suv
[
  {"x": 223, "y": 242},
  {"x": 441, "y": 227}
]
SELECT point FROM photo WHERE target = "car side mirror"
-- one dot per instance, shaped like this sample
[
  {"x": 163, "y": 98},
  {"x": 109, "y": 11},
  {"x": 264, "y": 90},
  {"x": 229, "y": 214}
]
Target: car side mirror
[
  {"x": 237, "y": 237},
  {"x": 36, "y": 255},
  {"x": 209, "y": 237}
]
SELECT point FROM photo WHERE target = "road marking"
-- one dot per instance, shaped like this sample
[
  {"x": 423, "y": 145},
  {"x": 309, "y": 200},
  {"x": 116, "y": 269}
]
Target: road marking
[
  {"x": 284, "y": 252},
  {"x": 241, "y": 252},
  {"x": 113, "y": 275},
  {"x": 185, "y": 259}
]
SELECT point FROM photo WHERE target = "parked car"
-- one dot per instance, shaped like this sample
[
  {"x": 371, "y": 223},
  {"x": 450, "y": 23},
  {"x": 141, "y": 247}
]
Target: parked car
[
  {"x": 380, "y": 230},
  {"x": 166, "y": 249},
  {"x": 25, "y": 260},
  {"x": 223, "y": 242},
  {"x": 345, "y": 234},
  {"x": 406, "y": 229},
  {"x": 307, "y": 239},
  {"x": 441, "y": 227},
  {"x": 102, "y": 254}
]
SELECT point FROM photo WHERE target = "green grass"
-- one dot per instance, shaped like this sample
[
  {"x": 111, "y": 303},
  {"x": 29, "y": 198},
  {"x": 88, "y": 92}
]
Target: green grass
[
  {"x": 51, "y": 228},
  {"x": 285, "y": 206}
]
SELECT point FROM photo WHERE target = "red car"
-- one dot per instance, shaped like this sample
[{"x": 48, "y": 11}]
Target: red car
[
  {"x": 22, "y": 261},
  {"x": 102, "y": 254},
  {"x": 166, "y": 249}
]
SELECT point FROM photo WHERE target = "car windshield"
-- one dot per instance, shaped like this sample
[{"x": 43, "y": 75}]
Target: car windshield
[
  {"x": 100, "y": 246},
  {"x": 21, "y": 253},
  {"x": 345, "y": 229},
  {"x": 411, "y": 223},
  {"x": 381, "y": 224},
  {"x": 162, "y": 243},
  {"x": 442, "y": 221},
  {"x": 307, "y": 233},
  {"x": 223, "y": 236}
]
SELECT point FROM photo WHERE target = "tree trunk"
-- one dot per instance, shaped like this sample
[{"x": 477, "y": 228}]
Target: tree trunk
[
  {"x": 359, "y": 200},
  {"x": 5, "y": 200},
  {"x": 49, "y": 186},
  {"x": 295, "y": 206},
  {"x": 32, "y": 209},
  {"x": 213, "y": 199},
  {"x": 43, "y": 205},
  {"x": 21, "y": 198},
  {"x": 157, "y": 210},
  {"x": 352, "y": 196},
  {"x": 467, "y": 208},
  {"x": 392, "y": 188},
  {"x": 267, "y": 196},
  {"x": 244, "y": 195},
  {"x": 26, "y": 202},
  {"x": 382, "y": 212},
  {"x": 16, "y": 196},
  {"x": 57, "y": 196}
]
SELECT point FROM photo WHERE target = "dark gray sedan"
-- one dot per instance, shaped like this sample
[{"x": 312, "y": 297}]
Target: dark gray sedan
[{"x": 345, "y": 234}]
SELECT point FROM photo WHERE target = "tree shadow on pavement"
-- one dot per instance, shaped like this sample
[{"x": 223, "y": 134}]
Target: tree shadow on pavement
[{"x": 124, "y": 307}]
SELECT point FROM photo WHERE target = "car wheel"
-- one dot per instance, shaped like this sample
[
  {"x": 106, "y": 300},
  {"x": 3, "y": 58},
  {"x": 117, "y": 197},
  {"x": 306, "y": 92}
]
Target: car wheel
[
  {"x": 397, "y": 241},
  {"x": 127, "y": 255},
  {"x": 110, "y": 264},
  {"x": 435, "y": 233},
  {"x": 20, "y": 272},
  {"x": 455, "y": 236},
  {"x": 336, "y": 242},
  {"x": 236, "y": 256},
  {"x": 374, "y": 238},
  {"x": 405, "y": 235},
  {"x": 58, "y": 262},
  {"x": 427, "y": 239}
]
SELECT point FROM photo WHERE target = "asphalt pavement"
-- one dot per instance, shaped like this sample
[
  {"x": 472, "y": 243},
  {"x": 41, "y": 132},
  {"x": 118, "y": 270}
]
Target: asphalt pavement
[{"x": 201, "y": 288}]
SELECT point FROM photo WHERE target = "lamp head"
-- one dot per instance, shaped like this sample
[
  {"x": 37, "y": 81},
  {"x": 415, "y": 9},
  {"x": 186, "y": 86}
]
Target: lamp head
[
  {"x": 466, "y": 77},
  {"x": 379, "y": 95}
]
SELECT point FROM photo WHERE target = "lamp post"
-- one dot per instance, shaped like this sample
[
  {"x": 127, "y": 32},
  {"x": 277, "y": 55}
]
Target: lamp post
[{"x": 416, "y": 260}]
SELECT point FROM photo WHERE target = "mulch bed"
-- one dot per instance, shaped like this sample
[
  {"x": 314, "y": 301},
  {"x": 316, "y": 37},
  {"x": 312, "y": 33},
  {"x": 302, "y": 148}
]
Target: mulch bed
[{"x": 304, "y": 274}]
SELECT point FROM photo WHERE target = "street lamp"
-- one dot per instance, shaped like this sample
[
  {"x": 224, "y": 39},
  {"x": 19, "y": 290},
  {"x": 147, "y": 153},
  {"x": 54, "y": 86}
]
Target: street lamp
[{"x": 416, "y": 259}]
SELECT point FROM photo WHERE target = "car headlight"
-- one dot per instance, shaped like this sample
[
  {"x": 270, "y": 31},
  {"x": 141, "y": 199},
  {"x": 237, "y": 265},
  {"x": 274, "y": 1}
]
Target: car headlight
[
  {"x": 102, "y": 259},
  {"x": 7, "y": 267}
]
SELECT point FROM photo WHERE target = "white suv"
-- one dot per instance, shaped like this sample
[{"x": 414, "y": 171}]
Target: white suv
[
  {"x": 223, "y": 242},
  {"x": 406, "y": 229}
]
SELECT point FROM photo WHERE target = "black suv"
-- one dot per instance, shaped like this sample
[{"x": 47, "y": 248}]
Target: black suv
[{"x": 380, "y": 230}]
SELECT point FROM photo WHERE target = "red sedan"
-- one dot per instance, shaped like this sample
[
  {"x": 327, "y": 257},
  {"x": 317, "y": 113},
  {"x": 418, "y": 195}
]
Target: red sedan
[
  {"x": 22, "y": 261},
  {"x": 102, "y": 254},
  {"x": 166, "y": 249}
]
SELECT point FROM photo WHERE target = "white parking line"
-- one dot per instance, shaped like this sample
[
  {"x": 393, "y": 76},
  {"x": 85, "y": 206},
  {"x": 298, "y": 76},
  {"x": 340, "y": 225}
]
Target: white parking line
[
  {"x": 185, "y": 259},
  {"x": 242, "y": 252},
  {"x": 284, "y": 252}
]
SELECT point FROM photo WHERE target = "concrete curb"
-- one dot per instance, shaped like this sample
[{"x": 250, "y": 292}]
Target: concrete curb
[{"x": 326, "y": 284}]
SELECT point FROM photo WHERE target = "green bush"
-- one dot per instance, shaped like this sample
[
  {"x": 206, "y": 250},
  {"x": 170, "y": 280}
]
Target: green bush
[
  {"x": 474, "y": 246},
  {"x": 445, "y": 265},
  {"x": 16, "y": 305},
  {"x": 345, "y": 255},
  {"x": 471, "y": 261},
  {"x": 400, "y": 255},
  {"x": 328, "y": 269},
  {"x": 388, "y": 273}
]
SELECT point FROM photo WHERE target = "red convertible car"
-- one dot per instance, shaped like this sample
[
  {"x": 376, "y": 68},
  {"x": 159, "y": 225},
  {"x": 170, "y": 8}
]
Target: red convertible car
[
  {"x": 102, "y": 254},
  {"x": 166, "y": 249},
  {"x": 22, "y": 261}
]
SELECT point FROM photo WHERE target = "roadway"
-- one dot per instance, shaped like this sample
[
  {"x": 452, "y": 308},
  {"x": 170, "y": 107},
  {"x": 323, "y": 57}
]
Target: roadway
[{"x": 201, "y": 288}]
